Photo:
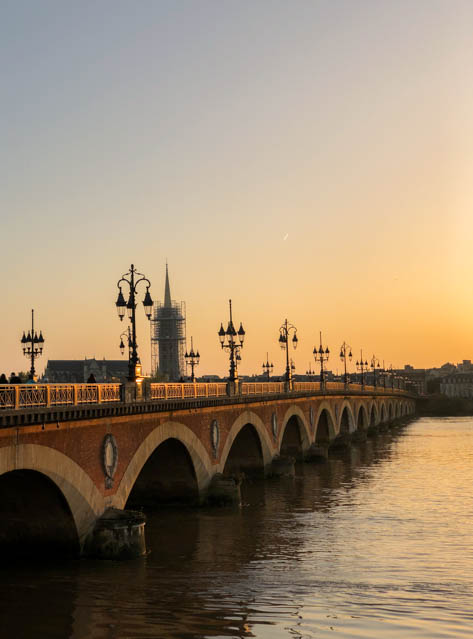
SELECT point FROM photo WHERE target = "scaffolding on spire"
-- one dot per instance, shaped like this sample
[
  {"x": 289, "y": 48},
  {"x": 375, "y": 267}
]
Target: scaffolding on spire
[{"x": 168, "y": 337}]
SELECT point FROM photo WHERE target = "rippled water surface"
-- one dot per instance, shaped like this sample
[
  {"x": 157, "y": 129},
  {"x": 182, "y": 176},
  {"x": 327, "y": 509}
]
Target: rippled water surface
[{"x": 373, "y": 544}]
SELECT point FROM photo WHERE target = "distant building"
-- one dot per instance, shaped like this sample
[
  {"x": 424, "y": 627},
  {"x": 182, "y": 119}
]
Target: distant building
[
  {"x": 78, "y": 371},
  {"x": 415, "y": 379},
  {"x": 168, "y": 337},
  {"x": 457, "y": 384}
]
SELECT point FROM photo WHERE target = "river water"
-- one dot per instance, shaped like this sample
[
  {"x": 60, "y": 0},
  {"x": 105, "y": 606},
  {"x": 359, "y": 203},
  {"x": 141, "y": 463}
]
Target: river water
[{"x": 376, "y": 543}]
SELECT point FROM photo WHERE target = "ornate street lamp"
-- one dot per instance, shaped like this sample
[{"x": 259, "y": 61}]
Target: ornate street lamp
[
  {"x": 362, "y": 367},
  {"x": 267, "y": 367},
  {"x": 284, "y": 333},
  {"x": 127, "y": 335},
  {"x": 134, "y": 366},
  {"x": 321, "y": 356},
  {"x": 192, "y": 359},
  {"x": 32, "y": 345},
  {"x": 228, "y": 342},
  {"x": 345, "y": 353},
  {"x": 309, "y": 372},
  {"x": 375, "y": 365}
]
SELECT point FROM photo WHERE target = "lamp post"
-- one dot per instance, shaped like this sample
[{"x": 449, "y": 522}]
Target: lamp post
[
  {"x": 284, "y": 333},
  {"x": 392, "y": 375},
  {"x": 375, "y": 365},
  {"x": 361, "y": 367},
  {"x": 192, "y": 359},
  {"x": 383, "y": 372},
  {"x": 32, "y": 345},
  {"x": 134, "y": 361},
  {"x": 267, "y": 367},
  {"x": 321, "y": 356},
  {"x": 293, "y": 368},
  {"x": 345, "y": 352},
  {"x": 127, "y": 335},
  {"x": 228, "y": 342},
  {"x": 309, "y": 372}
]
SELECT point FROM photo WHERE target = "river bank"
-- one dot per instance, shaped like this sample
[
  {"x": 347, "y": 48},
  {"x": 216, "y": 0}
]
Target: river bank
[{"x": 442, "y": 406}]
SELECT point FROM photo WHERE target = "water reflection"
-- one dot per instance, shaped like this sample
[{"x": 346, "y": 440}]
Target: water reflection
[{"x": 334, "y": 551}]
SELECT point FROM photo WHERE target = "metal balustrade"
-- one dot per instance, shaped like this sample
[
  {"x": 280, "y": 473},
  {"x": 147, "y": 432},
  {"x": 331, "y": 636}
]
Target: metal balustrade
[
  {"x": 15, "y": 396},
  {"x": 307, "y": 386},
  {"x": 21, "y": 396},
  {"x": 261, "y": 388},
  {"x": 185, "y": 391}
]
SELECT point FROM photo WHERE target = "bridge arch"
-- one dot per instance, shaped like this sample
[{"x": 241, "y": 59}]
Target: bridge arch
[
  {"x": 362, "y": 420},
  {"x": 170, "y": 430},
  {"x": 245, "y": 419},
  {"x": 79, "y": 491},
  {"x": 295, "y": 433},
  {"x": 325, "y": 422},
  {"x": 168, "y": 476},
  {"x": 35, "y": 518},
  {"x": 373, "y": 414},
  {"x": 383, "y": 417},
  {"x": 346, "y": 422}
]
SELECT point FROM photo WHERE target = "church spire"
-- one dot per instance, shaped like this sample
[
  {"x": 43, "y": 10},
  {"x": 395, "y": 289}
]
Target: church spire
[{"x": 167, "y": 290}]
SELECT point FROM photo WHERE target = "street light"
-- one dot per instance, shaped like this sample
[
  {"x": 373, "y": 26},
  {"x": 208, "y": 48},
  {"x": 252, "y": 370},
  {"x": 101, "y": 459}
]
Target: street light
[
  {"x": 134, "y": 367},
  {"x": 321, "y": 356},
  {"x": 362, "y": 367},
  {"x": 284, "y": 333},
  {"x": 267, "y": 367},
  {"x": 383, "y": 373},
  {"x": 375, "y": 365},
  {"x": 192, "y": 359},
  {"x": 127, "y": 335},
  {"x": 32, "y": 345},
  {"x": 228, "y": 342},
  {"x": 392, "y": 375},
  {"x": 293, "y": 368},
  {"x": 309, "y": 372},
  {"x": 345, "y": 352}
]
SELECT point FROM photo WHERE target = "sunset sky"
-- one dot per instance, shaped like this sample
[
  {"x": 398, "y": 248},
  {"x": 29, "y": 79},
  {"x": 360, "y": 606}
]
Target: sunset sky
[{"x": 308, "y": 159}]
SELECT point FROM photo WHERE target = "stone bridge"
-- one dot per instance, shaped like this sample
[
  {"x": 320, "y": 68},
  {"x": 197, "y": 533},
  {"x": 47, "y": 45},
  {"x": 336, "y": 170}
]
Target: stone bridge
[{"x": 64, "y": 463}]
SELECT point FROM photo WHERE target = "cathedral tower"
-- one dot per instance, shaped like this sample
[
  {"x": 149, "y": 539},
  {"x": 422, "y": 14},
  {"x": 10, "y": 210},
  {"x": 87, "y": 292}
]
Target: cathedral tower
[{"x": 168, "y": 337}]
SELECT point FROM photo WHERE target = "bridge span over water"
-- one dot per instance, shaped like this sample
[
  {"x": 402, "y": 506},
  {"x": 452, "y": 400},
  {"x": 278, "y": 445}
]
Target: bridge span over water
[{"x": 70, "y": 452}]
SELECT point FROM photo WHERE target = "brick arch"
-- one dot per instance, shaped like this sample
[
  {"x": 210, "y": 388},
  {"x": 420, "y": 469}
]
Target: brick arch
[
  {"x": 365, "y": 416},
  {"x": 383, "y": 412},
  {"x": 331, "y": 421},
  {"x": 169, "y": 430},
  {"x": 304, "y": 428},
  {"x": 351, "y": 418},
  {"x": 83, "y": 498},
  {"x": 247, "y": 417},
  {"x": 375, "y": 411}
]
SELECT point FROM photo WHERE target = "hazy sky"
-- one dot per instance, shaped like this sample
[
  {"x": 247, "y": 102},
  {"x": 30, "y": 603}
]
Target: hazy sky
[{"x": 309, "y": 159}]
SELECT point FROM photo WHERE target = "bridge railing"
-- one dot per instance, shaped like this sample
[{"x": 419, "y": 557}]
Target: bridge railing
[
  {"x": 14, "y": 396},
  {"x": 44, "y": 395},
  {"x": 261, "y": 388},
  {"x": 184, "y": 391},
  {"x": 307, "y": 386}
]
